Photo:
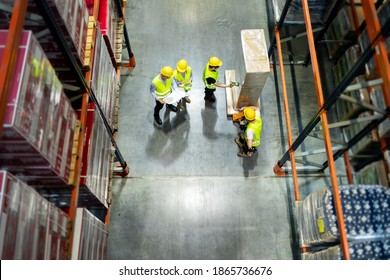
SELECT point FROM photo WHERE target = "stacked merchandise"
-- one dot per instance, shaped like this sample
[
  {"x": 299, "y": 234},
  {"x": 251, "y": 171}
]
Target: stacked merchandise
[
  {"x": 345, "y": 63},
  {"x": 31, "y": 228},
  {"x": 317, "y": 8},
  {"x": 342, "y": 30},
  {"x": 110, "y": 25},
  {"x": 379, "y": 101},
  {"x": 90, "y": 237},
  {"x": 105, "y": 82},
  {"x": 366, "y": 210},
  {"x": 372, "y": 174},
  {"x": 364, "y": 250},
  {"x": 369, "y": 144},
  {"x": 95, "y": 172},
  {"x": 364, "y": 40},
  {"x": 345, "y": 110},
  {"x": 72, "y": 17},
  {"x": 37, "y": 137}
]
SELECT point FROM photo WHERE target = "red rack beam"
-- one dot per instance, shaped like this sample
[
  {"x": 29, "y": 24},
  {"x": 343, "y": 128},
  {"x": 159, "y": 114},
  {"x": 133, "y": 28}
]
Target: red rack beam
[{"x": 7, "y": 66}]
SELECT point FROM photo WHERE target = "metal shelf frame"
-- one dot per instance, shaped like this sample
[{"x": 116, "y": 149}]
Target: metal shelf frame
[
  {"x": 376, "y": 49},
  {"x": 7, "y": 68}
]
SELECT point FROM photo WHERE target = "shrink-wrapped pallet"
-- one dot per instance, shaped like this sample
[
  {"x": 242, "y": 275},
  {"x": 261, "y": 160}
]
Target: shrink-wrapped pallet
[
  {"x": 30, "y": 227},
  {"x": 37, "y": 137},
  {"x": 251, "y": 71},
  {"x": 90, "y": 237},
  {"x": 366, "y": 210}
]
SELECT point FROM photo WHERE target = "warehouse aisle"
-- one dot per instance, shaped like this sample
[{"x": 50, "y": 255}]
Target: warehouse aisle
[{"x": 188, "y": 196}]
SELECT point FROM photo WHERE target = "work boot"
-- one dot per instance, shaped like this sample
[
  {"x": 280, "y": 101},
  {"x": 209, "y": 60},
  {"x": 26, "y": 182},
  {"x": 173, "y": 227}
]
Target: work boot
[
  {"x": 238, "y": 142},
  {"x": 172, "y": 107},
  {"x": 158, "y": 120},
  {"x": 181, "y": 105},
  {"x": 187, "y": 99},
  {"x": 242, "y": 154}
]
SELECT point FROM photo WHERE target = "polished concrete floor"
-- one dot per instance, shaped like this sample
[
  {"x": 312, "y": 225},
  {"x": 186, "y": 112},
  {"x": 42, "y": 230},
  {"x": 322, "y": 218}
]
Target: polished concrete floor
[{"x": 188, "y": 196}]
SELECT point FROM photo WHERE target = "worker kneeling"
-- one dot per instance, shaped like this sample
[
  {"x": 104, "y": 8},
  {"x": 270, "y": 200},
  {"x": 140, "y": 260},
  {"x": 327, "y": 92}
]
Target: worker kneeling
[{"x": 250, "y": 139}]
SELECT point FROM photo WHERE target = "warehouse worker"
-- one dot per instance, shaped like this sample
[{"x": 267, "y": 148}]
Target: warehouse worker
[
  {"x": 250, "y": 139},
  {"x": 182, "y": 75},
  {"x": 210, "y": 78},
  {"x": 160, "y": 88}
]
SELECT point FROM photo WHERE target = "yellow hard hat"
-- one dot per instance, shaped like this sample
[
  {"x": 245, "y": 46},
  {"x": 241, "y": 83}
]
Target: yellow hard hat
[
  {"x": 167, "y": 71},
  {"x": 249, "y": 114},
  {"x": 182, "y": 65},
  {"x": 214, "y": 61}
]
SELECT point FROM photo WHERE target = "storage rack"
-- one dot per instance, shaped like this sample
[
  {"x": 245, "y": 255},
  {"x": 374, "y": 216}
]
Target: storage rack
[
  {"x": 83, "y": 78},
  {"x": 376, "y": 49}
]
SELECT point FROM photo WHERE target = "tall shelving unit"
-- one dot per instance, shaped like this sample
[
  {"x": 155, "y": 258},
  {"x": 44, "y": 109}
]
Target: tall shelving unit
[
  {"x": 84, "y": 100},
  {"x": 377, "y": 49}
]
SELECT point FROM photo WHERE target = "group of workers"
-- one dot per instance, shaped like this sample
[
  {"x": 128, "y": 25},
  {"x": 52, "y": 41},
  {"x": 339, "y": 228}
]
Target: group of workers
[{"x": 169, "y": 80}]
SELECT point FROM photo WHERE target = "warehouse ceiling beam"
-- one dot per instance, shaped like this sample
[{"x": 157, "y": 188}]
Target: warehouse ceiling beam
[{"x": 8, "y": 62}]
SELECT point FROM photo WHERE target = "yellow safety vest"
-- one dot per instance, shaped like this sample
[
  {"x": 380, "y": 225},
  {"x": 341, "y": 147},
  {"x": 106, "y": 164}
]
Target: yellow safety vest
[
  {"x": 257, "y": 127},
  {"x": 162, "y": 90},
  {"x": 186, "y": 85},
  {"x": 209, "y": 74}
]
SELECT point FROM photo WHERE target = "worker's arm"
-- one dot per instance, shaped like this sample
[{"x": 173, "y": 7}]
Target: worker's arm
[
  {"x": 152, "y": 92},
  {"x": 222, "y": 85}
]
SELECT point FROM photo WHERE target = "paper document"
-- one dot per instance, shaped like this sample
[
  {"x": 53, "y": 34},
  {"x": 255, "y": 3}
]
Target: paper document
[{"x": 175, "y": 96}]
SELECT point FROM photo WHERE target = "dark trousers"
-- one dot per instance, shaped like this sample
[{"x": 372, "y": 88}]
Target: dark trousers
[
  {"x": 208, "y": 93},
  {"x": 158, "y": 108},
  {"x": 245, "y": 148}
]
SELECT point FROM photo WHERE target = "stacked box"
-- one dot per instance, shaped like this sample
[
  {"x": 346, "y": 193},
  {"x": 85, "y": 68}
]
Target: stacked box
[
  {"x": 96, "y": 161},
  {"x": 37, "y": 138},
  {"x": 379, "y": 101},
  {"x": 90, "y": 237},
  {"x": 27, "y": 223},
  {"x": 108, "y": 20},
  {"x": 372, "y": 174},
  {"x": 72, "y": 17},
  {"x": 105, "y": 82},
  {"x": 252, "y": 70},
  {"x": 343, "y": 30},
  {"x": 364, "y": 40}
]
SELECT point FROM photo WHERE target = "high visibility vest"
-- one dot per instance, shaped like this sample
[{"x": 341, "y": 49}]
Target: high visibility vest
[
  {"x": 162, "y": 90},
  {"x": 209, "y": 74},
  {"x": 186, "y": 85},
  {"x": 256, "y": 127}
]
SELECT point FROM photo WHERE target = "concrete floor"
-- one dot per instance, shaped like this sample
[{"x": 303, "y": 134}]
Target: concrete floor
[{"x": 188, "y": 196}]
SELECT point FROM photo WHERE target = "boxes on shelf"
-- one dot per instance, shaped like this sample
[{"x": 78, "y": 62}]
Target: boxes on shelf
[
  {"x": 31, "y": 228},
  {"x": 109, "y": 20},
  {"x": 105, "y": 82},
  {"x": 96, "y": 162},
  {"x": 90, "y": 237},
  {"x": 37, "y": 137},
  {"x": 372, "y": 174},
  {"x": 366, "y": 210},
  {"x": 379, "y": 101},
  {"x": 342, "y": 30}
]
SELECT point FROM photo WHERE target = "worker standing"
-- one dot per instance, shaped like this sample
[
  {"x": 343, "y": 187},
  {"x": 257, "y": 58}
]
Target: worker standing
[
  {"x": 211, "y": 78},
  {"x": 182, "y": 75},
  {"x": 160, "y": 88},
  {"x": 250, "y": 139}
]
